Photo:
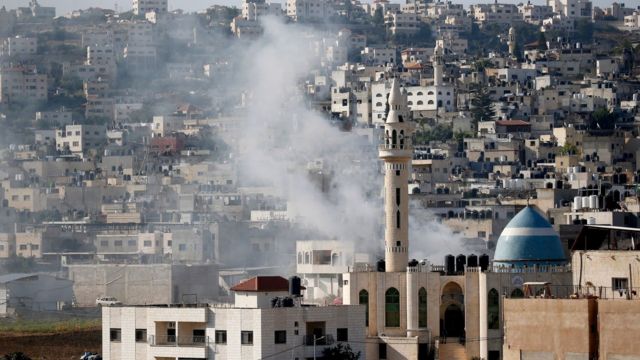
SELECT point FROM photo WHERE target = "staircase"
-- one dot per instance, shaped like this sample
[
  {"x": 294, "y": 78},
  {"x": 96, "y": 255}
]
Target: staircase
[{"x": 452, "y": 350}]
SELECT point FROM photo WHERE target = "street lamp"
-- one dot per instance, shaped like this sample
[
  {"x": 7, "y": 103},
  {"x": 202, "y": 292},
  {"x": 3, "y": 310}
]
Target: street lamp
[{"x": 314, "y": 344}]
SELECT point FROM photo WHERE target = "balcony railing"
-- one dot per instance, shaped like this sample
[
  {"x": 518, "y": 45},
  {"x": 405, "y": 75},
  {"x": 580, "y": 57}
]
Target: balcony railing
[
  {"x": 172, "y": 340},
  {"x": 320, "y": 340}
]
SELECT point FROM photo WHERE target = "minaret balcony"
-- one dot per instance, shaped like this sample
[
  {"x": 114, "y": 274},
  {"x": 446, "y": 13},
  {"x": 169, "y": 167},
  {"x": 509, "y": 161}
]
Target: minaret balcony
[{"x": 395, "y": 150}]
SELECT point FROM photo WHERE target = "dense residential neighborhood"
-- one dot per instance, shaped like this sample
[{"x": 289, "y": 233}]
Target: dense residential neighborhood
[{"x": 328, "y": 179}]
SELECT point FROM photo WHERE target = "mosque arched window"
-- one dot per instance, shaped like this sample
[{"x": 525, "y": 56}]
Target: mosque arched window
[
  {"x": 363, "y": 299},
  {"x": 420, "y": 102},
  {"x": 430, "y": 93},
  {"x": 392, "y": 308},
  {"x": 299, "y": 258},
  {"x": 394, "y": 139},
  {"x": 386, "y": 138},
  {"x": 422, "y": 308},
  {"x": 430, "y": 102},
  {"x": 493, "y": 309},
  {"x": 517, "y": 293},
  {"x": 398, "y": 219},
  {"x": 401, "y": 139},
  {"x": 307, "y": 258}
]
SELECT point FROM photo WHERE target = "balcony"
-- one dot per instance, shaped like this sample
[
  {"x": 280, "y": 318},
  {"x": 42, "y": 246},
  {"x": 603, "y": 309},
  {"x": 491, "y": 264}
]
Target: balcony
[{"x": 172, "y": 340}]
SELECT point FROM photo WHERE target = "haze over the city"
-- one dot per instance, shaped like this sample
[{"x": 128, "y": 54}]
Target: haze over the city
[{"x": 65, "y": 6}]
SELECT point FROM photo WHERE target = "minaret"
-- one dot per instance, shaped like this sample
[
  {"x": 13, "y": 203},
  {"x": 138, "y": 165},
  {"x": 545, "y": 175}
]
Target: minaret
[
  {"x": 396, "y": 152},
  {"x": 511, "y": 41},
  {"x": 438, "y": 65}
]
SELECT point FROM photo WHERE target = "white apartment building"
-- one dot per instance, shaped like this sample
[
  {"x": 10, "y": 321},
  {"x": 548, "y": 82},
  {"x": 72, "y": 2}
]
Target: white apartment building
[
  {"x": 255, "y": 9},
  {"x": 103, "y": 57},
  {"x": 19, "y": 46},
  {"x": 454, "y": 44},
  {"x": 60, "y": 117},
  {"x": 399, "y": 23},
  {"x": 572, "y": 8},
  {"x": 379, "y": 56},
  {"x": 141, "y": 7},
  {"x": 22, "y": 84},
  {"x": 633, "y": 20},
  {"x": 495, "y": 13},
  {"x": 534, "y": 14},
  {"x": 79, "y": 138},
  {"x": 309, "y": 10},
  {"x": 253, "y": 327}
]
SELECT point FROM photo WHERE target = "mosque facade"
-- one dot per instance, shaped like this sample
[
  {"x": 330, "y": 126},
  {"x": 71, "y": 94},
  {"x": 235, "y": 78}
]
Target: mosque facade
[{"x": 416, "y": 308}]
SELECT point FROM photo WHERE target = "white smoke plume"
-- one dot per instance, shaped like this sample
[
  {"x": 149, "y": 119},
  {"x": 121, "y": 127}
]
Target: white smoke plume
[{"x": 281, "y": 135}]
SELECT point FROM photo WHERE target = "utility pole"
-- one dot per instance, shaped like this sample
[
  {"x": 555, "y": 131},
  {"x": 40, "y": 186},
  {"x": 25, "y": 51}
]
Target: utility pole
[{"x": 314, "y": 344}]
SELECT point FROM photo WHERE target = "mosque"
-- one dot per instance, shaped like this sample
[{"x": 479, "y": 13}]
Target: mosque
[{"x": 415, "y": 308}]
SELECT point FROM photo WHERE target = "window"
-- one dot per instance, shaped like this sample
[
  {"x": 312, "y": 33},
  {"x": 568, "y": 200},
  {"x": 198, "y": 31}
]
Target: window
[
  {"x": 398, "y": 219},
  {"x": 141, "y": 335},
  {"x": 115, "y": 334},
  {"x": 104, "y": 243},
  {"x": 117, "y": 243},
  {"x": 280, "y": 337},
  {"x": 198, "y": 336},
  {"x": 131, "y": 243},
  {"x": 619, "y": 283},
  {"x": 23, "y": 247},
  {"x": 221, "y": 336},
  {"x": 398, "y": 196},
  {"x": 342, "y": 334},
  {"x": 147, "y": 243},
  {"x": 422, "y": 308},
  {"x": 246, "y": 337},
  {"x": 182, "y": 247},
  {"x": 392, "y": 308},
  {"x": 493, "y": 310},
  {"x": 363, "y": 298}
]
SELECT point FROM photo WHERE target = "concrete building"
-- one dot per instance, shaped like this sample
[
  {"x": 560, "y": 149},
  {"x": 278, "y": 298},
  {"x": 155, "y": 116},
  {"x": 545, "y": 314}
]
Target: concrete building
[
  {"x": 34, "y": 292},
  {"x": 253, "y": 327},
  {"x": 22, "y": 84},
  {"x": 141, "y": 7},
  {"x": 135, "y": 284},
  {"x": 495, "y": 13},
  {"x": 80, "y": 138},
  {"x": 400, "y": 23},
  {"x": 19, "y": 46},
  {"x": 309, "y": 10},
  {"x": 572, "y": 8},
  {"x": 255, "y": 9}
]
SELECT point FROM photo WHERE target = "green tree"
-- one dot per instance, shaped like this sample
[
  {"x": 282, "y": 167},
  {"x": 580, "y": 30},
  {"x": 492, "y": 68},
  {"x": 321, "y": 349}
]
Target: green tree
[
  {"x": 602, "y": 119},
  {"x": 542, "y": 41},
  {"x": 482, "y": 106},
  {"x": 340, "y": 352}
]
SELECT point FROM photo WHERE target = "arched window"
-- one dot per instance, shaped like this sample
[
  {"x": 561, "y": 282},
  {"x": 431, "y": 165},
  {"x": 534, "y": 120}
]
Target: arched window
[
  {"x": 430, "y": 93},
  {"x": 411, "y": 94},
  {"x": 517, "y": 293},
  {"x": 398, "y": 219},
  {"x": 378, "y": 104},
  {"x": 420, "y": 102},
  {"x": 401, "y": 139},
  {"x": 430, "y": 102},
  {"x": 420, "y": 93},
  {"x": 363, "y": 298},
  {"x": 386, "y": 138},
  {"x": 394, "y": 138},
  {"x": 392, "y": 308},
  {"x": 493, "y": 309},
  {"x": 409, "y": 103},
  {"x": 378, "y": 95},
  {"x": 299, "y": 258},
  {"x": 306, "y": 258},
  {"x": 422, "y": 308}
]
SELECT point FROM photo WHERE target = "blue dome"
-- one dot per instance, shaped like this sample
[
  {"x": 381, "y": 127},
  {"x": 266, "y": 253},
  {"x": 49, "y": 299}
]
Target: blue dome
[{"x": 529, "y": 240}]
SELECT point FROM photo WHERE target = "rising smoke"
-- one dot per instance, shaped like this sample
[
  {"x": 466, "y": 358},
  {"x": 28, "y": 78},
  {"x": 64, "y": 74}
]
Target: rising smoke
[{"x": 281, "y": 135}]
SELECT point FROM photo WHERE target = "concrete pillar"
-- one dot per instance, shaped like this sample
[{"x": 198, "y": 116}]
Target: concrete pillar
[{"x": 412, "y": 302}]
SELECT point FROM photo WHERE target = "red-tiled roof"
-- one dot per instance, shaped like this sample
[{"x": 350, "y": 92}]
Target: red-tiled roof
[
  {"x": 263, "y": 283},
  {"x": 512, "y": 123}
]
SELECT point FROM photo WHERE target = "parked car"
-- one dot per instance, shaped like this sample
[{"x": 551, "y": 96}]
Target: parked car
[{"x": 107, "y": 300}]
